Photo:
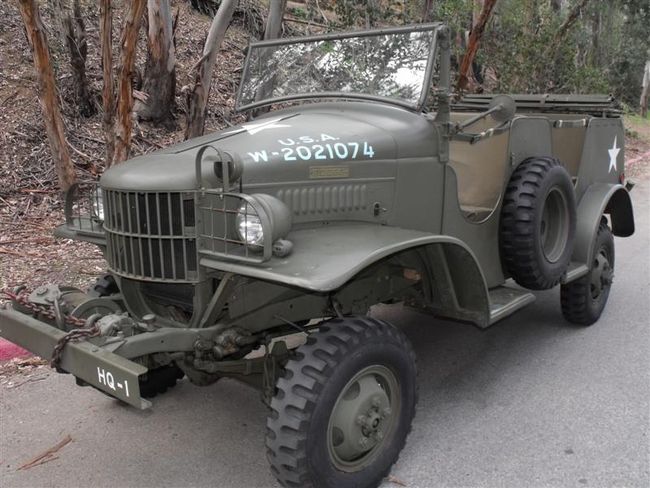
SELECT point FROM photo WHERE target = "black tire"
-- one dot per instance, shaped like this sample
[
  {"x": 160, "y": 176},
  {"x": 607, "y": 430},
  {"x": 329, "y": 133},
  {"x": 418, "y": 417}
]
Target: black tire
[
  {"x": 584, "y": 300},
  {"x": 104, "y": 286},
  {"x": 538, "y": 223},
  {"x": 318, "y": 390},
  {"x": 159, "y": 380}
]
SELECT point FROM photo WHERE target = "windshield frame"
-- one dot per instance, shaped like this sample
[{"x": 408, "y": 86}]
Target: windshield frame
[{"x": 435, "y": 27}]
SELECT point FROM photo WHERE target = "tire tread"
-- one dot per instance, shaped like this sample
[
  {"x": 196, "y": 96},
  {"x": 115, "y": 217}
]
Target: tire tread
[{"x": 286, "y": 444}]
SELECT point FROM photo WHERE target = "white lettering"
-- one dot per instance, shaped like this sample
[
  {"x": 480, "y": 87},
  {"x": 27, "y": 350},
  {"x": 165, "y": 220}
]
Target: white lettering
[
  {"x": 259, "y": 156},
  {"x": 110, "y": 381}
]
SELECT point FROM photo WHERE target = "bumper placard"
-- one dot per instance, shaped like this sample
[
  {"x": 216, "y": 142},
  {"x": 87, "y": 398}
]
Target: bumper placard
[{"x": 104, "y": 370}]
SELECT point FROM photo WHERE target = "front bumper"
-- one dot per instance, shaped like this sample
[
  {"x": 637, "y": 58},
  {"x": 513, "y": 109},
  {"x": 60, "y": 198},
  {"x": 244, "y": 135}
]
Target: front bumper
[{"x": 104, "y": 370}]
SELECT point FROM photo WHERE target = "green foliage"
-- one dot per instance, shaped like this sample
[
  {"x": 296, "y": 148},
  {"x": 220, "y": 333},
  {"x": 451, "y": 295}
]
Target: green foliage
[
  {"x": 299, "y": 12},
  {"x": 352, "y": 12},
  {"x": 631, "y": 52},
  {"x": 603, "y": 51}
]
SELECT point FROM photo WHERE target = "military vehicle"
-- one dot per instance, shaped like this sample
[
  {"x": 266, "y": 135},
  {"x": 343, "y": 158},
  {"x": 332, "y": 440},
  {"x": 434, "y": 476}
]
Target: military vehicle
[{"x": 256, "y": 252}]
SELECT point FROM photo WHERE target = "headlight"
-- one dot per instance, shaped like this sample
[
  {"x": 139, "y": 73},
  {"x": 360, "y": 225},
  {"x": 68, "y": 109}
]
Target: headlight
[
  {"x": 97, "y": 203},
  {"x": 265, "y": 213},
  {"x": 249, "y": 225}
]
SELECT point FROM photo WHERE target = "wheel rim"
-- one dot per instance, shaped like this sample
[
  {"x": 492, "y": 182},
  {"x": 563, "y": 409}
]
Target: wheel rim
[
  {"x": 602, "y": 274},
  {"x": 364, "y": 416},
  {"x": 554, "y": 226}
]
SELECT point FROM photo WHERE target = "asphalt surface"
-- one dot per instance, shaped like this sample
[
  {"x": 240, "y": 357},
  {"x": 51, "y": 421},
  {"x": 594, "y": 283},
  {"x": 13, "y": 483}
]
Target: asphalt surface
[{"x": 531, "y": 402}]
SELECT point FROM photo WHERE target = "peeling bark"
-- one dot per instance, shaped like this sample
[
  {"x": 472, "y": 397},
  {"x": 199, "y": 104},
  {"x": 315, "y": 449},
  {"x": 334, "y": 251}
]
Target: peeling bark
[
  {"x": 108, "y": 91},
  {"x": 474, "y": 39},
  {"x": 73, "y": 35},
  {"x": 47, "y": 93},
  {"x": 159, "y": 83},
  {"x": 128, "y": 43},
  {"x": 198, "y": 97}
]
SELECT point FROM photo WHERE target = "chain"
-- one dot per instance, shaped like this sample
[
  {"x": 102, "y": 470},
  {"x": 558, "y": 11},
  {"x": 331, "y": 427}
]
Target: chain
[
  {"x": 22, "y": 299},
  {"x": 75, "y": 335},
  {"x": 81, "y": 329}
]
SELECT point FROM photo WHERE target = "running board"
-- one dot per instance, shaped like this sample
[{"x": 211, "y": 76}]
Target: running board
[{"x": 505, "y": 301}]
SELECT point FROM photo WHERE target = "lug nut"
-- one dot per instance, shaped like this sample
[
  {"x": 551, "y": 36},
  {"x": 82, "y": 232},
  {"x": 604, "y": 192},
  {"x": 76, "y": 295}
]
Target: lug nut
[
  {"x": 376, "y": 402},
  {"x": 361, "y": 419},
  {"x": 386, "y": 412}
]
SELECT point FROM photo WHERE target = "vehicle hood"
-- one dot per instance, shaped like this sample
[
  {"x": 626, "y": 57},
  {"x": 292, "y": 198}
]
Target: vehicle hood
[{"x": 310, "y": 142}]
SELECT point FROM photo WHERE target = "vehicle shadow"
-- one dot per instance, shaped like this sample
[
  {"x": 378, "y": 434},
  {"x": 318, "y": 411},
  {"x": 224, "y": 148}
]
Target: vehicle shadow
[{"x": 461, "y": 369}]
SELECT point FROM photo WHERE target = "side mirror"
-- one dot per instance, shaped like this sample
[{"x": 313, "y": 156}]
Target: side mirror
[{"x": 502, "y": 108}]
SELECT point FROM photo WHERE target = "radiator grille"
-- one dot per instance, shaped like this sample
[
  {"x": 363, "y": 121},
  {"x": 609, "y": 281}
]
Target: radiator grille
[{"x": 151, "y": 235}]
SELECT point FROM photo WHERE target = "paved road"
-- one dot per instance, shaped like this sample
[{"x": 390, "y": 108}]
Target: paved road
[{"x": 531, "y": 402}]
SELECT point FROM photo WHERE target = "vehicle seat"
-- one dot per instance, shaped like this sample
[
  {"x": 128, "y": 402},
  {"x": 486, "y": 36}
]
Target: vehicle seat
[{"x": 480, "y": 169}]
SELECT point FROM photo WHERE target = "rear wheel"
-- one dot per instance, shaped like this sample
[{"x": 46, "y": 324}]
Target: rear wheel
[
  {"x": 584, "y": 300},
  {"x": 344, "y": 407}
]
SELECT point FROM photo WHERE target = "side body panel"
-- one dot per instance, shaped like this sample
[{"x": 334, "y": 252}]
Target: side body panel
[
  {"x": 598, "y": 187},
  {"x": 529, "y": 136},
  {"x": 602, "y": 158}
]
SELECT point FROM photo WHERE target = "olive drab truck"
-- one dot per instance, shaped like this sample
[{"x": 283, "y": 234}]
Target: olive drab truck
[{"x": 256, "y": 252}]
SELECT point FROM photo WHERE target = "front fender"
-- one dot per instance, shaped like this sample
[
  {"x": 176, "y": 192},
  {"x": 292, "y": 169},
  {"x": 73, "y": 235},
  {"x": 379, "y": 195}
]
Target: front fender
[
  {"x": 327, "y": 257},
  {"x": 600, "y": 199}
]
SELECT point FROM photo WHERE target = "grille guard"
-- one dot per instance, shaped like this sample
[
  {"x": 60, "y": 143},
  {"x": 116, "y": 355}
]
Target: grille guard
[
  {"x": 79, "y": 216},
  {"x": 161, "y": 236}
]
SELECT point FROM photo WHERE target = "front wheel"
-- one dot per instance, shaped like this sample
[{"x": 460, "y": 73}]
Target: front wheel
[
  {"x": 344, "y": 407},
  {"x": 584, "y": 300}
]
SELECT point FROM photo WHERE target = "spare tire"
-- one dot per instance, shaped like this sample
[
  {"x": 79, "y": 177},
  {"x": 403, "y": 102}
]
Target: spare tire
[{"x": 538, "y": 223}]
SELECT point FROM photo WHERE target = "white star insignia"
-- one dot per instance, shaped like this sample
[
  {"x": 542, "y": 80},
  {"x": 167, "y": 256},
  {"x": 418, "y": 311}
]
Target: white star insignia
[
  {"x": 613, "y": 156},
  {"x": 253, "y": 129}
]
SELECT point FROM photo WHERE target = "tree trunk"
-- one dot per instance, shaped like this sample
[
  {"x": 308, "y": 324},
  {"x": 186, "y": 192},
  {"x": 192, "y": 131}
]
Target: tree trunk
[
  {"x": 273, "y": 30},
  {"x": 427, "y": 7},
  {"x": 476, "y": 11},
  {"x": 198, "y": 97},
  {"x": 474, "y": 40},
  {"x": 129, "y": 41},
  {"x": 274, "y": 20},
  {"x": 556, "y": 6},
  {"x": 72, "y": 31},
  {"x": 159, "y": 83},
  {"x": 47, "y": 93},
  {"x": 108, "y": 91},
  {"x": 596, "y": 27},
  {"x": 570, "y": 20},
  {"x": 645, "y": 93}
]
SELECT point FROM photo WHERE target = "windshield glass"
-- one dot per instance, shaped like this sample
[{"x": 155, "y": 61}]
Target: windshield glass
[{"x": 376, "y": 65}]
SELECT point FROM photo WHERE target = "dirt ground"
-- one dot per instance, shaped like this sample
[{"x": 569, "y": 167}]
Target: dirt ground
[{"x": 30, "y": 204}]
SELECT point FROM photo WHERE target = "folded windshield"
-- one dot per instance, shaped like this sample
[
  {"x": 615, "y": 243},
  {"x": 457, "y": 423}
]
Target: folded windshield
[{"x": 392, "y": 65}]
